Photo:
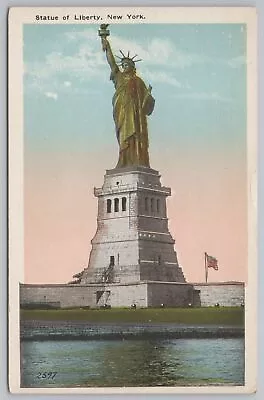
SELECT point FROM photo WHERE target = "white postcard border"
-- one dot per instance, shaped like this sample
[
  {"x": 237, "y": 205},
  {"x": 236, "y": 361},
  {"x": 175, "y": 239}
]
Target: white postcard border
[{"x": 18, "y": 17}]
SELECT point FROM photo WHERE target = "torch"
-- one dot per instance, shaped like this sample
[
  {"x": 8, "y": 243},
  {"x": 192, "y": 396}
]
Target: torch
[{"x": 103, "y": 33}]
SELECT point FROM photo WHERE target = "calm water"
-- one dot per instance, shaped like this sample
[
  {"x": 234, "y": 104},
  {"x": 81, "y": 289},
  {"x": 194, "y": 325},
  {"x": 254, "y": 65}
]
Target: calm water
[{"x": 173, "y": 362}]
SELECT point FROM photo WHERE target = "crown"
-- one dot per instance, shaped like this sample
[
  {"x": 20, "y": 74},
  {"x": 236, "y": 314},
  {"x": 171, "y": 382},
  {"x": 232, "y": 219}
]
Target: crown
[{"x": 124, "y": 57}]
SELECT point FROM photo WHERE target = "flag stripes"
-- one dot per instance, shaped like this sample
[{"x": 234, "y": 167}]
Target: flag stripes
[{"x": 211, "y": 262}]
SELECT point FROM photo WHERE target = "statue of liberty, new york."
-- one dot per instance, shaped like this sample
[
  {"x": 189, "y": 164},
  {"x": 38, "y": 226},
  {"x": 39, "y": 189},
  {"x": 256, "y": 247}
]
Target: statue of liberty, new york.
[{"x": 132, "y": 103}]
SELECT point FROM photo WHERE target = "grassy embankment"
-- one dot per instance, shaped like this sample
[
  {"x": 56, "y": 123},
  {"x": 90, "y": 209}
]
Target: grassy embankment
[{"x": 202, "y": 316}]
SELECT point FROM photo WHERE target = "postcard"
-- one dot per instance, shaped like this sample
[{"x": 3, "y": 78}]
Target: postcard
[{"x": 132, "y": 200}]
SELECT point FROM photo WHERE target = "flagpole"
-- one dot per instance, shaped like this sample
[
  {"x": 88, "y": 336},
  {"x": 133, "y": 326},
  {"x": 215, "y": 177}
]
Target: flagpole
[{"x": 205, "y": 266}]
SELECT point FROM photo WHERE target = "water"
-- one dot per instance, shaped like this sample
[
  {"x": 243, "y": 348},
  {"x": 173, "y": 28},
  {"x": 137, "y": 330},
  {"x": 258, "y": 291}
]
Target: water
[{"x": 114, "y": 363}]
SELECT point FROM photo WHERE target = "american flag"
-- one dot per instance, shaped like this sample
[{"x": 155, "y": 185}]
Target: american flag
[{"x": 211, "y": 262}]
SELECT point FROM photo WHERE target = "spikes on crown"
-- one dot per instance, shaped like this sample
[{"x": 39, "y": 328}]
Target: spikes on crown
[{"x": 128, "y": 59}]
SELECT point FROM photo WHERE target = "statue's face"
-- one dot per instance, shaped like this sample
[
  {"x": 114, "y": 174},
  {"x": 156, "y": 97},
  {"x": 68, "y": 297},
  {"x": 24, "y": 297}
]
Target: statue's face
[{"x": 127, "y": 66}]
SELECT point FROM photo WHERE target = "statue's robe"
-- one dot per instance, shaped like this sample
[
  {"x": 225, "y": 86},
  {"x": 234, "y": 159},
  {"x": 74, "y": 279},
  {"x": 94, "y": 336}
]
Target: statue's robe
[{"x": 132, "y": 102}]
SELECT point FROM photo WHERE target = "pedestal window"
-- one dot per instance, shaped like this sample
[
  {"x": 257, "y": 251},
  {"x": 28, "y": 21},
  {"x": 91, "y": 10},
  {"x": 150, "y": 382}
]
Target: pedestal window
[
  {"x": 124, "y": 203},
  {"x": 116, "y": 205},
  {"x": 108, "y": 206}
]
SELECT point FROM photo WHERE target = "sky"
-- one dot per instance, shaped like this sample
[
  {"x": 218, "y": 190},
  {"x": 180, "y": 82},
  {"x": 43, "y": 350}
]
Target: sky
[{"x": 197, "y": 136}]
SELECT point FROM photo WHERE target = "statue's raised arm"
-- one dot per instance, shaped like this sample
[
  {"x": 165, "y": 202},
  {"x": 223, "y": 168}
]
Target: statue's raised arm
[{"x": 103, "y": 33}]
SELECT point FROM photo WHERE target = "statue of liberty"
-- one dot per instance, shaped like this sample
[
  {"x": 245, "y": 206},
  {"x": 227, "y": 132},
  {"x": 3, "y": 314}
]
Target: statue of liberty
[{"x": 132, "y": 103}]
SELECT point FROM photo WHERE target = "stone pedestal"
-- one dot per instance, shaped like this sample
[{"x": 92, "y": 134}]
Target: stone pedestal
[{"x": 132, "y": 242}]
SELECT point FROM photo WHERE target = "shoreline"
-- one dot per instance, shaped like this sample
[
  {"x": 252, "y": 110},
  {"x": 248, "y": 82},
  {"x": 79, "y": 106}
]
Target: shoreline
[{"x": 36, "y": 330}]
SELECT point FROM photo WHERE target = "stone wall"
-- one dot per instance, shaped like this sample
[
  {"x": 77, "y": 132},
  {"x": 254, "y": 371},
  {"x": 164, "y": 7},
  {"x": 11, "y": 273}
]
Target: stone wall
[
  {"x": 143, "y": 294},
  {"x": 126, "y": 295},
  {"x": 170, "y": 294},
  {"x": 222, "y": 293},
  {"x": 66, "y": 295}
]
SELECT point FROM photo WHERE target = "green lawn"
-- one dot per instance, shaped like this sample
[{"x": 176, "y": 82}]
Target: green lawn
[{"x": 209, "y": 315}]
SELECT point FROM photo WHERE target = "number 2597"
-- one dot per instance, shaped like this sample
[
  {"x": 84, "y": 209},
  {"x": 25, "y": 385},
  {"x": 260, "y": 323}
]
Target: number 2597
[{"x": 46, "y": 375}]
